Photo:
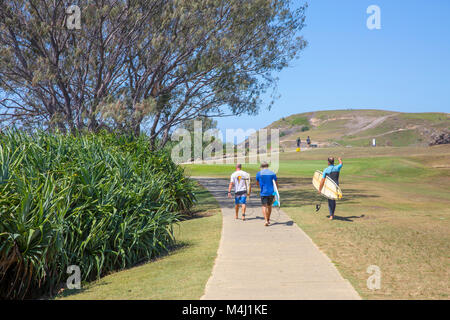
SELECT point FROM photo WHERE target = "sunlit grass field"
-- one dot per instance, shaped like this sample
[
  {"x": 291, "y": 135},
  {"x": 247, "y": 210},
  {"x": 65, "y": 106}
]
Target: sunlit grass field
[{"x": 395, "y": 214}]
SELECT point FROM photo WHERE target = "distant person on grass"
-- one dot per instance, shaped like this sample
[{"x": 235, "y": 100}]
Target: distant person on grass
[
  {"x": 238, "y": 179},
  {"x": 264, "y": 180},
  {"x": 308, "y": 141},
  {"x": 299, "y": 142},
  {"x": 331, "y": 171}
]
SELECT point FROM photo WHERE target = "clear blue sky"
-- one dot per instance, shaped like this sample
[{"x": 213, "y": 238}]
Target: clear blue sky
[{"x": 405, "y": 66}]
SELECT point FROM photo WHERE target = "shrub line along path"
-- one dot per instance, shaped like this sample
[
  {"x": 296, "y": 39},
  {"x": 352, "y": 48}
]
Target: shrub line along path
[{"x": 275, "y": 262}]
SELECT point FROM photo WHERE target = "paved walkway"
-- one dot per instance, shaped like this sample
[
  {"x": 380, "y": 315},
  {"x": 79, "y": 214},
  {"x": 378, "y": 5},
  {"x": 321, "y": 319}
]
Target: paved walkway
[{"x": 275, "y": 262}]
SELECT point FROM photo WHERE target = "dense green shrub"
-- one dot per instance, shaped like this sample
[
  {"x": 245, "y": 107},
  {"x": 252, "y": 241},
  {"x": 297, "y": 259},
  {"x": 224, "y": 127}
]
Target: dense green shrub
[{"x": 97, "y": 201}]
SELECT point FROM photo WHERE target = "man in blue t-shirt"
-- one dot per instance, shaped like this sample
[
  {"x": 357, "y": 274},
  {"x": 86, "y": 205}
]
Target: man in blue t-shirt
[
  {"x": 264, "y": 179},
  {"x": 331, "y": 171}
]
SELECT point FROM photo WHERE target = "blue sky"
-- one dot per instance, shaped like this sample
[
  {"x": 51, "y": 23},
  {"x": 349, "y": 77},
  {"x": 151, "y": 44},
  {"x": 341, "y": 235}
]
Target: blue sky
[{"x": 404, "y": 66}]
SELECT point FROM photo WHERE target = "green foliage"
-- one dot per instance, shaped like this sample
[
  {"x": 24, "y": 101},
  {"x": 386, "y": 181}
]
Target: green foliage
[
  {"x": 101, "y": 202},
  {"x": 299, "y": 121},
  {"x": 426, "y": 116}
]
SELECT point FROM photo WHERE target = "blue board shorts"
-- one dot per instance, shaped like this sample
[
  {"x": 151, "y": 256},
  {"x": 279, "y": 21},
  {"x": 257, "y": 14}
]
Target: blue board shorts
[{"x": 240, "y": 198}]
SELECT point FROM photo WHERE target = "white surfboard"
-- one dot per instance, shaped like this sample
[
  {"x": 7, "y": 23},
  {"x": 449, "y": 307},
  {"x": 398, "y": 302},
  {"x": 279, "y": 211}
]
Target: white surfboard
[
  {"x": 247, "y": 183},
  {"x": 330, "y": 189},
  {"x": 276, "y": 200}
]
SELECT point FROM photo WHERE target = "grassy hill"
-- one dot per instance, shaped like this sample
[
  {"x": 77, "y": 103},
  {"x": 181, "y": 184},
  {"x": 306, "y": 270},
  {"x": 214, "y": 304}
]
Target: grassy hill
[{"x": 359, "y": 127}]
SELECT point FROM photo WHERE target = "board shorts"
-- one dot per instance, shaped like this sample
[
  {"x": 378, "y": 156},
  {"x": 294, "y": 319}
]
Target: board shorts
[
  {"x": 267, "y": 200},
  {"x": 240, "y": 197}
]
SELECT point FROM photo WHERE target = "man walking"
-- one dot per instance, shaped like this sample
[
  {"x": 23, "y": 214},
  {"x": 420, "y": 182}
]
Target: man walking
[
  {"x": 239, "y": 179},
  {"x": 331, "y": 171},
  {"x": 264, "y": 179}
]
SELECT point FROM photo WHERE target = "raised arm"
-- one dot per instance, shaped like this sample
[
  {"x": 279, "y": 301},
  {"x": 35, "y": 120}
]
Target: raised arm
[{"x": 340, "y": 163}]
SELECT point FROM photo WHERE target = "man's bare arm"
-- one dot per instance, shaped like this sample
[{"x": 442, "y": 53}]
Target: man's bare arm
[
  {"x": 321, "y": 185},
  {"x": 229, "y": 189}
]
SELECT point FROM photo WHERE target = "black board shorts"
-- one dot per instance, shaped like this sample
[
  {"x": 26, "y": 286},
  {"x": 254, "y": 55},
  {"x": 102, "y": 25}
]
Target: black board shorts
[{"x": 267, "y": 200}]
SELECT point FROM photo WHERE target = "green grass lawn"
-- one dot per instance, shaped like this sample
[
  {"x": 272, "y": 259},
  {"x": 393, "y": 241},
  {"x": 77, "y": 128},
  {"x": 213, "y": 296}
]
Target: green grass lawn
[
  {"x": 181, "y": 274},
  {"x": 395, "y": 214}
]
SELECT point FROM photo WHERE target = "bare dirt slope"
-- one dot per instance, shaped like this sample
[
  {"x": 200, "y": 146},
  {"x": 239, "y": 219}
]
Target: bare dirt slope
[{"x": 359, "y": 127}]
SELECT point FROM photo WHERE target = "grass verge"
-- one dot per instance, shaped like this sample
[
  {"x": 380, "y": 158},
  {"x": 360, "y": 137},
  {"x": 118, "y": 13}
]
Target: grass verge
[{"x": 182, "y": 274}]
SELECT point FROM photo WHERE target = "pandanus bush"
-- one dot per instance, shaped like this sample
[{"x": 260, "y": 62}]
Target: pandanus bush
[{"x": 98, "y": 201}]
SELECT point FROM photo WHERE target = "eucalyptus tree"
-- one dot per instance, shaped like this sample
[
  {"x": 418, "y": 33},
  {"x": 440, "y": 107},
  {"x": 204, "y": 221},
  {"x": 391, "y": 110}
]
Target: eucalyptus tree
[
  {"x": 55, "y": 73},
  {"x": 142, "y": 65},
  {"x": 210, "y": 58}
]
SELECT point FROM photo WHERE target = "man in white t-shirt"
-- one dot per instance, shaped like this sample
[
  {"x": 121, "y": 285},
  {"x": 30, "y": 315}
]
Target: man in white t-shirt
[{"x": 240, "y": 179}]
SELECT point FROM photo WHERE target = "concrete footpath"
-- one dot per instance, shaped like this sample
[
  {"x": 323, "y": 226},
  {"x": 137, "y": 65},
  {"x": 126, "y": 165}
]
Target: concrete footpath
[{"x": 275, "y": 262}]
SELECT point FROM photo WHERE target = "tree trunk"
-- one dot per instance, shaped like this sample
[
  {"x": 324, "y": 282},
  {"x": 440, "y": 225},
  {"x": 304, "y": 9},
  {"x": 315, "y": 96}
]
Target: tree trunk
[{"x": 165, "y": 138}]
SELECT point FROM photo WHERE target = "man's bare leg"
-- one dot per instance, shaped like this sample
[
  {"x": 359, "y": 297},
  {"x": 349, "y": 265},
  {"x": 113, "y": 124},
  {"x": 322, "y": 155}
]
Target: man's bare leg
[
  {"x": 243, "y": 211},
  {"x": 236, "y": 208},
  {"x": 269, "y": 212},
  {"x": 265, "y": 214}
]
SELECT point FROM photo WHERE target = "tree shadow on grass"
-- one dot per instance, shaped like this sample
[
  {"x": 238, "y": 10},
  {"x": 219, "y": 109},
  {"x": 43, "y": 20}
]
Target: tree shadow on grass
[{"x": 289, "y": 183}]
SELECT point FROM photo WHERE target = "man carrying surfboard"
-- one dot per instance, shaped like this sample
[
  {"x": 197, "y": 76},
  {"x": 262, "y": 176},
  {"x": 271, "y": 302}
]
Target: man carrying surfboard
[
  {"x": 242, "y": 188},
  {"x": 331, "y": 171},
  {"x": 265, "y": 179}
]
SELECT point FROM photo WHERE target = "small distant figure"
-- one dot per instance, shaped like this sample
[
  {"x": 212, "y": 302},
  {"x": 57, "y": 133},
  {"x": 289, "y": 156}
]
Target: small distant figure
[
  {"x": 331, "y": 171},
  {"x": 308, "y": 142},
  {"x": 299, "y": 141}
]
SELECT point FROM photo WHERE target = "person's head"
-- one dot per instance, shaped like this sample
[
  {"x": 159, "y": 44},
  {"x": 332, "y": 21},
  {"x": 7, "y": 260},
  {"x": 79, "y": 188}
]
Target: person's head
[
  {"x": 264, "y": 165},
  {"x": 238, "y": 166},
  {"x": 330, "y": 160}
]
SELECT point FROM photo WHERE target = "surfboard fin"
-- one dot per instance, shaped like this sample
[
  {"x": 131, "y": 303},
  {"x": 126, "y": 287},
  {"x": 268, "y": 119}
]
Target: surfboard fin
[{"x": 318, "y": 207}]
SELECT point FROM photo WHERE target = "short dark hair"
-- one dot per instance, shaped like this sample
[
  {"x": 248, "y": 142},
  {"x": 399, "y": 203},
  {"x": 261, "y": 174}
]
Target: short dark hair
[
  {"x": 264, "y": 164},
  {"x": 239, "y": 166},
  {"x": 330, "y": 160}
]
